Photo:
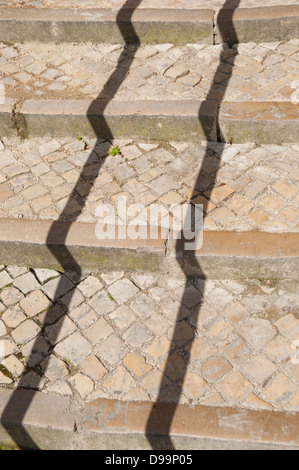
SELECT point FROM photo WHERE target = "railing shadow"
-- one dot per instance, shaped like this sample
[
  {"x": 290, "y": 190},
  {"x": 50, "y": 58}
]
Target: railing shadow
[
  {"x": 161, "y": 417},
  {"x": 18, "y": 405}
]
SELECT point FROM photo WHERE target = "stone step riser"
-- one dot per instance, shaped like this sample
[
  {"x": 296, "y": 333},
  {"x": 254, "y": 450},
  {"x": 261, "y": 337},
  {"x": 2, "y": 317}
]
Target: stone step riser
[
  {"x": 259, "y": 122},
  {"x": 229, "y": 255},
  {"x": 198, "y": 428},
  {"x": 149, "y": 26}
]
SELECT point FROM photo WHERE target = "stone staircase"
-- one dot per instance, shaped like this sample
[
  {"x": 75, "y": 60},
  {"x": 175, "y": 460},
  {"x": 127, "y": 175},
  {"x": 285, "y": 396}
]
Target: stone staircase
[{"x": 180, "y": 105}]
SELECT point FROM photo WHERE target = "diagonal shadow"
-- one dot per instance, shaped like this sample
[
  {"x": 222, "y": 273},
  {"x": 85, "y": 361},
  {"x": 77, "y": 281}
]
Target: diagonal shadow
[
  {"x": 162, "y": 414},
  {"x": 19, "y": 403}
]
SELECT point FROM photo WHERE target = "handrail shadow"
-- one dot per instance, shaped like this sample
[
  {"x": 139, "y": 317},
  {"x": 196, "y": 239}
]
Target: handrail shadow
[
  {"x": 17, "y": 406},
  {"x": 158, "y": 427}
]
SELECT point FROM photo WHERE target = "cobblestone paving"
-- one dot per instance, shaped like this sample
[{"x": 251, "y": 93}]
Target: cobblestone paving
[
  {"x": 189, "y": 4},
  {"x": 117, "y": 333},
  {"x": 264, "y": 72},
  {"x": 256, "y": 187}
]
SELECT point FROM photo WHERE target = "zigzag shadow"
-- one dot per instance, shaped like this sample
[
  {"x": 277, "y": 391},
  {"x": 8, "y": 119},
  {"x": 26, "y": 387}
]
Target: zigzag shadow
[
  {"x": 18, "y": 405},
  {"x": 157, "y": 424},
  {"x": 158, "y": 428}
]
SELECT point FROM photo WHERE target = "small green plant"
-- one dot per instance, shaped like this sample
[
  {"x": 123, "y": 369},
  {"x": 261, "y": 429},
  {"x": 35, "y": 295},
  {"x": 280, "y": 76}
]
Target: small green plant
[
  {"x": 79, "y": 138},
  {"x": 114, "y": 151},
  {"x": 110, "y": 297}
]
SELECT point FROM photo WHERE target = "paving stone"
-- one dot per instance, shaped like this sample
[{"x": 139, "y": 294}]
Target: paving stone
[
  {"x": 26, "y": 283},
  {"x": 112, "y": 350},
  {"x": 83, "y": 315},
  {"x": 92, "y": 367},
  {"x": 256, "y": 403},
  {"x": 2, "y": 329},
  {"x": 278, "y": 350},
  {"x": 136, "y": 364},
  {"x": 215, "y": 368},
  {"x": 153, "y": 381},
  {"x": 122, "y": 317},
  {"x": 288, "y": 326},
  {"x": 218, "y": 329},
  {"x": 102, "y": 303},
  {"x": 45, "y": 275},
  {"x": 60, "y": 330},
  {"x": 143, "y": 306},
  {"x": 35, "y": 351},
  {"x": 71, "y": 300},
  {"x": 13, "y": 365},
  {"x": 16, "y": 271},
  {"x": 234, "y": 387},
  {"x": 13, "y": 317},
  {"x": 90, "y": 286},
  {"x": 123, "y": 290},
  {"x": 137, "y": 335},
  {"x": 54, "y": 369},
  {"x": 34, "y": 303},
  {"x": 159, "y": 348},
  {"x": 98, "y": 331},
  {"x": 58, "y": 287},
  {"x": 25, "y": 332},
  {"x": 61, "y": 388},
  {"x": 279, "y": 389},
  {"x": 4, "y": 380},
  {"x": 119, "y": 381},
  {"x": 5, "y": 279},
  {"x": 48, "y": 148},
  {"x": 84, "y": 385},
  {"x": 74, "y": 349},
  {"x": 51, "y": 315},
  {"x": 237, "y": 351},
  {"x": 194, "y": 385}
]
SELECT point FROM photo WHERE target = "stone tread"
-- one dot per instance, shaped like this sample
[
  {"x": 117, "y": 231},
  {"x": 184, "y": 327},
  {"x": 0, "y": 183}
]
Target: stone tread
[
  {"x": 266, "y": 72},
  {"x": 113, "y": 338},
  {"x": 187, "y": 4},
  {"x": 255, "y": 188}
]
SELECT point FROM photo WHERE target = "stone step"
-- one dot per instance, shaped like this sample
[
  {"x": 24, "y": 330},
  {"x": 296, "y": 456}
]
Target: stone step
[
  {"x": 50, "y": 191},
  {"x": 50, "y": 416},
  {"x": 218, "y": 355},
  {"x": 196, "y": 23},
  {"x": 93, "y": 89}
]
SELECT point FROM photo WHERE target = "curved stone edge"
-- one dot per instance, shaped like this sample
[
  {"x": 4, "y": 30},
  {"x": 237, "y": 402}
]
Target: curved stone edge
[{"x": 53, "y": 422}]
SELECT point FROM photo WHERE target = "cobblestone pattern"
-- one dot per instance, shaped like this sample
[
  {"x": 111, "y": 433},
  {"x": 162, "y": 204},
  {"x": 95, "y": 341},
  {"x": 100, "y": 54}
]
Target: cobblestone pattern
[
  {"x": 189, "y": 4},
  {"x": 265, "y": 72},
  {"x": 256, "y": 188},
  {"x": 118, "y": 332}
]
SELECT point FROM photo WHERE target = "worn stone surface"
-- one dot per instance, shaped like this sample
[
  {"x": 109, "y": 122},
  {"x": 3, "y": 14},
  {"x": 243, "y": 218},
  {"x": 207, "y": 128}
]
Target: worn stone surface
[
  {"x": 243, "y": 187},
  {"x": 247, "y": 72},
  {"x": 235, "y": 343},
  {"x": 215, "y": 4}
]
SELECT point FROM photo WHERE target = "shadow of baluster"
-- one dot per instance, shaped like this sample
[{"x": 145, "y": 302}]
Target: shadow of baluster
[
  {"x": 162, "y": 414},
  {"x": 20, "y": 402}
]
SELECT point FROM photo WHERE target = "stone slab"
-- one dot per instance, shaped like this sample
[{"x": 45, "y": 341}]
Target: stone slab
[
  {"x": 259, "y": 122},
  {"x": 148, "y": 26},
  {"x": 265, "y": 24},
  {"x": 157, "y": 120}
]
